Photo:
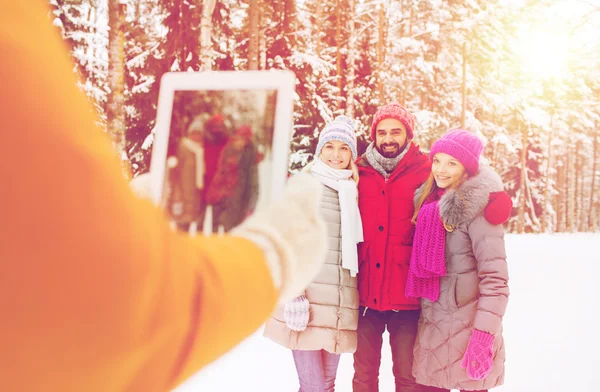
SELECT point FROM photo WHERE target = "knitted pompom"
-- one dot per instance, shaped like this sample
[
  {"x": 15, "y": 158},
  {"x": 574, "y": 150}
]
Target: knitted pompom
[{"x": 345, "y": 120}]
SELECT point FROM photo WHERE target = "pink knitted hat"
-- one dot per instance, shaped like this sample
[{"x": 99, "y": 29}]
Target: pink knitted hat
[
  {"x": 463, "y": 145},
  {"x": 397, "y": 111}
]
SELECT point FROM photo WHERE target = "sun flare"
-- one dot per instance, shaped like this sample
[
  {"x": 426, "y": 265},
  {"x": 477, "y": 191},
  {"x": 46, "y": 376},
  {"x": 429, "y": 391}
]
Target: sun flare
[{"x": 543, "y": 53}]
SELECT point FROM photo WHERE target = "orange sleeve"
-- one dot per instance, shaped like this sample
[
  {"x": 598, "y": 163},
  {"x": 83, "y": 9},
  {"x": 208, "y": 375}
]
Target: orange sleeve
[{"x": 96, "y": 292}]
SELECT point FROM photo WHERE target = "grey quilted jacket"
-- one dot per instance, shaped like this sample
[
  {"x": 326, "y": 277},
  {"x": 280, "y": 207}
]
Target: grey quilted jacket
[
  {"x": 473, "y": 294},
  {"x": 333, "y": 298}
]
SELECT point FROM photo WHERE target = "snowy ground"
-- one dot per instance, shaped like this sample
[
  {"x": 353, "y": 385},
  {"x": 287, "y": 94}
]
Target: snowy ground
[{"x": 551, "y": 329}]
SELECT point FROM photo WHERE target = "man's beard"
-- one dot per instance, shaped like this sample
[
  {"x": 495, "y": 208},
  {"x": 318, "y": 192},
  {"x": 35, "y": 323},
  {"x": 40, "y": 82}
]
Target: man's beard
[{"x": 391, "y": 154}]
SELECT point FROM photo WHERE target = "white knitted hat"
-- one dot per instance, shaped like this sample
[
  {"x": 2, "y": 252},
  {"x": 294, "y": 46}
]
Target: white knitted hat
[{"x": 341, "y": 128}]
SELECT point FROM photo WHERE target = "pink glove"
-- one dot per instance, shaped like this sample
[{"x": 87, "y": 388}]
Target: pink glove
[
  {"x": 479, "y": 357},
  {"x": 295, "y": 313}
]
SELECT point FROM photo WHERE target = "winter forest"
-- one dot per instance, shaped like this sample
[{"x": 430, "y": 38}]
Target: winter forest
[{"x": 524, "y": 74}]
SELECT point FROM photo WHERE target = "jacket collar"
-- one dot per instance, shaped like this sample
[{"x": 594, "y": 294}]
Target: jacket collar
[
  {"x": 464, "y": 203},
  {"x": 413, "y": 157}
]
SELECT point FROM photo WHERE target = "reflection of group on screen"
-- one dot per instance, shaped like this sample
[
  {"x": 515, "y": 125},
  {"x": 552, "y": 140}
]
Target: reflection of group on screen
[{"x": 212, "y": 179}]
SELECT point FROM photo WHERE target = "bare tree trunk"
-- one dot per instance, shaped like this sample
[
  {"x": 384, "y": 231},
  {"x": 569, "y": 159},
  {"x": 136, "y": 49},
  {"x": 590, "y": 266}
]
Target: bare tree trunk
[
  {"x": 351, "y": 59},
  {"x": 93, "y": 51},
  {"x": 464, "y": 85},
  {"x": 262, "y": 38},
  {"x": 208, "y": 7},
  {"x": 289, "y": 17},
  {"x": 522, "y": 191},
  {"x": 582, "y": 218},
  {"x": 406, "y": 28},
  {"x": 568, "y": 220},
  {"x": 319, "y": 25},
  {"x": 573, "y": 192},
  {"x": 136, "y": 9},
  {"x": 495, "y": 154},
  {"x": 401, "y": 24},
  {"x": 547, "y": 202},
  {"x": 576, "y": 167},
  {"x": 592, "y": 222},
  {"x": 338, "y": 41},
  {"x": 286, "y": 13},
  {"x": 534, "y": 219},
  {"x": 180, "y": 54},
  {"x": 410, "y": 21},
  {"x": 597, "y": 215},
  {"x": 559, "y": 201},
  {"x": 115, "y": 103},
  {"x": 254, "y": 29},
  {"x": 581, "y": 224},
  {"x": 380, "y": 51}
]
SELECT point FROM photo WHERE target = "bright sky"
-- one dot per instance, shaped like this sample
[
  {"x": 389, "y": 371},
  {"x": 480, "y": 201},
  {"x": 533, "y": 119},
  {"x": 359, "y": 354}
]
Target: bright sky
[{"x": 550, "y": 41}]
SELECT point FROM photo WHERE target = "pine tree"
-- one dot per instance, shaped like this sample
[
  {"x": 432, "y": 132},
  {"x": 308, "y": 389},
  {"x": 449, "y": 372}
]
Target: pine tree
[
  {"x": 144, "y": 60},
  {"x": 84, "y": 27},
  {"x": 451, "y": 63}
]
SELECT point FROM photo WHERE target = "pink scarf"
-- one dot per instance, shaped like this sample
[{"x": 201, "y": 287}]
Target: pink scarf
[{"x": 427, "y": 261}]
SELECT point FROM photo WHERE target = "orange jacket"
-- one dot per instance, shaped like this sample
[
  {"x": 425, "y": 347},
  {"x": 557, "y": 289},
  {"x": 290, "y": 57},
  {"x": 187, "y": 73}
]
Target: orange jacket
[{"x": 96, "y": 292}]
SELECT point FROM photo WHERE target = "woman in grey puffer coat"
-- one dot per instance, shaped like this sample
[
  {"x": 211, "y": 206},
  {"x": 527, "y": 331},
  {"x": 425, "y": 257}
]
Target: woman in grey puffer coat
[
  {"x": 458, "y": 268},
  {"x": 321, "y": 324}
]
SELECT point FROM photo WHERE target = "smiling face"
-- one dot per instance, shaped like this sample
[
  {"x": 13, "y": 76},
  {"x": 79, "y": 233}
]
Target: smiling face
[
  {"x": 390, "y": 137},
  {"x": 447, "y": 171},
  {"x": 336, "y": 154}
]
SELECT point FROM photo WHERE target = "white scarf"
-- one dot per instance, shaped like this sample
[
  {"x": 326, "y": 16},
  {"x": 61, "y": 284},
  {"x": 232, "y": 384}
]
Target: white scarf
[
  {"x": 351, "y": 223},
  {"x": 198, "y": 151}
]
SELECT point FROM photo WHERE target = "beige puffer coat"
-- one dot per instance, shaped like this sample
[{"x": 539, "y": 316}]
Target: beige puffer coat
[
  {"x": 333, "y": 298},
  {"x": 473, "y": 294}
]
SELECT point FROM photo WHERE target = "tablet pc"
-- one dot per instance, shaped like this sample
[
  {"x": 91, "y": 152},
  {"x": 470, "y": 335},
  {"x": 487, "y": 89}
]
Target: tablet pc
[{"x": 221, "y": 145}]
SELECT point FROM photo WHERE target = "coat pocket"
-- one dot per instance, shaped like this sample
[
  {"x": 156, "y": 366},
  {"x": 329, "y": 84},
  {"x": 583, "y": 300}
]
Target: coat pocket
[
  {"x": 451, "y": 293},
  {"x": 466, "y": 288},
  {"x": 401, "y": 263}
]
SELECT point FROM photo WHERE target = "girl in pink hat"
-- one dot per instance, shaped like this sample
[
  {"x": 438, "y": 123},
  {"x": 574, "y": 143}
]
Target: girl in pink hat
[{"x": 458, "y": 269}]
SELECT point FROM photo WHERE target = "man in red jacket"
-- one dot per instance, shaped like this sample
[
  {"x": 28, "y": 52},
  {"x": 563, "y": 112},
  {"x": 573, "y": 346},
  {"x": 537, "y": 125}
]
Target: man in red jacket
[{"x": 390, "y": 171}]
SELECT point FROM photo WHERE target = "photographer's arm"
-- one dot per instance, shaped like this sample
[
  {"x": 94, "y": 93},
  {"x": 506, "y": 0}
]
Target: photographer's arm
[{"x": 97, "y": 293}]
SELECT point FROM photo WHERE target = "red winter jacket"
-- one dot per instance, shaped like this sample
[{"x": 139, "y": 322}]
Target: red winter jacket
[{"x": 386, "y": 208}]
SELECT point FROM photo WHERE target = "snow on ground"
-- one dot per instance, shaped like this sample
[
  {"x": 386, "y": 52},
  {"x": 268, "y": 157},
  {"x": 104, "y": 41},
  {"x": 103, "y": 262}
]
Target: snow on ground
[{"x": 551, "y": 329}]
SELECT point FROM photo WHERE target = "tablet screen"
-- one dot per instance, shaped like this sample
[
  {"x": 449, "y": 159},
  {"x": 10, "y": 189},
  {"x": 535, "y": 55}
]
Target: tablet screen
[{"x": 218, "y": 157}]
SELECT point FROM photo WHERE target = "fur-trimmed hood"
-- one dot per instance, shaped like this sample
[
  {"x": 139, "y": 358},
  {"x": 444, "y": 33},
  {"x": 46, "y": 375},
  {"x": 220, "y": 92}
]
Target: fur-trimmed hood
[{"x": 464, "y": 203}]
